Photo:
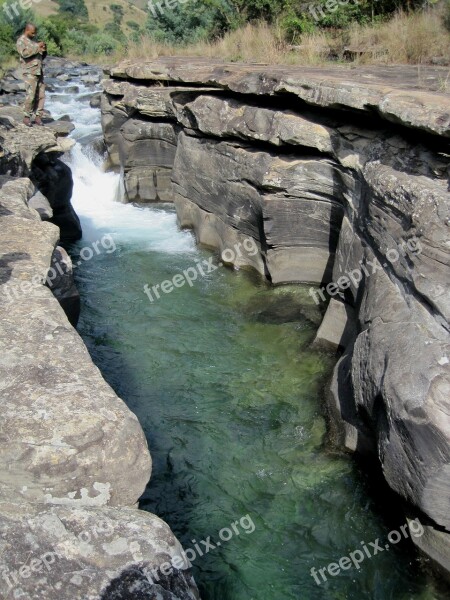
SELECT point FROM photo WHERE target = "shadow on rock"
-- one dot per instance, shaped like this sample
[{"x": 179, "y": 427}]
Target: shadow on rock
[{"x": 134, "y": 584}]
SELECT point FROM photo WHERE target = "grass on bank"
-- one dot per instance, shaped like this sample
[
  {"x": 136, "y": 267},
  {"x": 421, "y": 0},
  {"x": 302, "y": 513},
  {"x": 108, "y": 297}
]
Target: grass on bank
[
  {"x": 406, "y": 38},
  {"x": 415, "y": 38}
]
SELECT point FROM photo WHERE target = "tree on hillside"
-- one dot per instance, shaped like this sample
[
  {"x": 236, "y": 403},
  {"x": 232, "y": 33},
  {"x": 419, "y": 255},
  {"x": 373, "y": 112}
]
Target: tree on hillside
[
  {"x": 190, "y": 22},
  {"x": 118, "y": 12},
  {"x": 209, "y": 18},
  {"x": 75, "y": 8},
  {"x": 258, "y": 9}
]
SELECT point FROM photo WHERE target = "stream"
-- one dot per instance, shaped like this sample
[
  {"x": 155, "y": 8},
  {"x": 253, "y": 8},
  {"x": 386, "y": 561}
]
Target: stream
[{"x": 223, "y": 379}]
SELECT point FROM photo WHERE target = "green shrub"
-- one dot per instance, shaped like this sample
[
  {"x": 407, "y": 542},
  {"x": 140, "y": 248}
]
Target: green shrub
[
  {"x": 133, "y": 25},
  {"x": 102, "y": 43},
  {"x": 75, "y": 42},
  {"x": 113, "y": 30},
  {"x": 190, "y": 23},
  {"x": 53, "y": 49},
  {"x": 294, "y": 26},
  {"x": 52, "y": 31},
  {"x": 10, "y": 30},
  {"x": 7, "y": 45},
  {"x": 117, "y": 9},
  {"x": 74, "y": 8},
  {"x": 446, "y": 16}
]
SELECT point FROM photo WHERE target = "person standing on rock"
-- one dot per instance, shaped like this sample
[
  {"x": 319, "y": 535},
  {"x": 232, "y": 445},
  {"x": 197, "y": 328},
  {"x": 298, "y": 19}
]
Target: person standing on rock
[{"x": 32, "y": 54}]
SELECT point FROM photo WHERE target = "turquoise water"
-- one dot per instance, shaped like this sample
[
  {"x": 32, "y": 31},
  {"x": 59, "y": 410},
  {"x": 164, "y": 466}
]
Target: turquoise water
[{"x": 230, "y": 394}]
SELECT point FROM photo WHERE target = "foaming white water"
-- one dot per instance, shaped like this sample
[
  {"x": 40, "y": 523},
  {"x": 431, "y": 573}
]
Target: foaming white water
[
  {"x": 76, "y": 105},
  {"x": 96, "y": 193}
]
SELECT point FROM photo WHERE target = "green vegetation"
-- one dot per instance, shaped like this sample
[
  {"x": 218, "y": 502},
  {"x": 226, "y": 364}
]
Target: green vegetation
[
  {"x": 68, "y": 32},
  {"x": 96, "y": 29},
  {"x": 73, "y": 8},
  {"x": 207, "y": 19},
  {"x": 447, "y": 15}
]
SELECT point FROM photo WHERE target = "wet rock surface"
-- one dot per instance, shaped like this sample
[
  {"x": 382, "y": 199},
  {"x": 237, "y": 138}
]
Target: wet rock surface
[{"x": 341, "y": 178}]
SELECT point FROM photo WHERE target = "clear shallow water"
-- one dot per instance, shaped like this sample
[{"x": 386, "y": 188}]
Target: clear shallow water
[{"x": 230, "y": 395}]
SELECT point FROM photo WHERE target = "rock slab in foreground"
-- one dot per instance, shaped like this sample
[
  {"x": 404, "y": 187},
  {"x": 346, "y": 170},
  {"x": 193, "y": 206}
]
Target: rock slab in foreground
[
  {"x": 65, "y": 437},
  {"x": 56, "y": 553}
]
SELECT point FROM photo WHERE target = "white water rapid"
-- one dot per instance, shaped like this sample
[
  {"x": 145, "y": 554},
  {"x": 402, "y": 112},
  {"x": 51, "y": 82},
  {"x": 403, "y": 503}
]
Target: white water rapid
[{"x": 96, "y": 193}]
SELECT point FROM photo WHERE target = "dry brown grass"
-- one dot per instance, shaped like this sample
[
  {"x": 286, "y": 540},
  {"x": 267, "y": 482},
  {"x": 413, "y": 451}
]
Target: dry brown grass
[
  {"x": 405, "y": 39},
  {"x": 7, "y": 64},
  {"x": 252, "y": 43}
]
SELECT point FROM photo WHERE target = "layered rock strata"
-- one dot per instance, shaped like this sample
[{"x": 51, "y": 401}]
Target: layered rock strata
[{"x": 341, "y": 178}]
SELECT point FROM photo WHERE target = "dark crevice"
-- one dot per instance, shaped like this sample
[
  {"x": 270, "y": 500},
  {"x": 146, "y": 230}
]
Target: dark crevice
[
  {"x": 253, "y": 145},
  {"x": 161, "y": 83},
  {"x": 135, "y": 114},
  {"x": 334, "y": 116}
]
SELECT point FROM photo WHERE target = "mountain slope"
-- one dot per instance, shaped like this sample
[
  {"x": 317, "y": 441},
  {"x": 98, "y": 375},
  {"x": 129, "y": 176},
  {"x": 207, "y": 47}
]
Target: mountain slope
[{"x": 100, "y": 13}]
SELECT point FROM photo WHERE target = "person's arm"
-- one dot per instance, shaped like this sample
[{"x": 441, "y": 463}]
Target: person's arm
[{"x": 27, "y": 49}]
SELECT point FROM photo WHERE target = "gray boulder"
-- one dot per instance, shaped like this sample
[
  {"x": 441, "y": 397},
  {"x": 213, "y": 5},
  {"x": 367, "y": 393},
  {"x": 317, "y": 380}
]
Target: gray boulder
[
  {"x": 61, "y": 553},
  {"x": 40, "y": 203}
]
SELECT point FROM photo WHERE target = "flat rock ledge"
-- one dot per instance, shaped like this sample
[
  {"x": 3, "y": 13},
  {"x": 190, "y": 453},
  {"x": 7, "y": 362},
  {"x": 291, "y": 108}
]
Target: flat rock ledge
[
  {"x": 341, "y": 179},
  {"x": 399, "y": 94},
  {"x": 74, "y": 460}
]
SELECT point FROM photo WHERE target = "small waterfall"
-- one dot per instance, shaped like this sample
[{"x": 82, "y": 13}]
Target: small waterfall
[{"x": 96, "y": 193}]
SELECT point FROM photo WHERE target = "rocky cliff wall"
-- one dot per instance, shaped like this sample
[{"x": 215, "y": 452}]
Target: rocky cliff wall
[
  {"x": 74, "y": 460},
  {"x": 341, "y": 177}
]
